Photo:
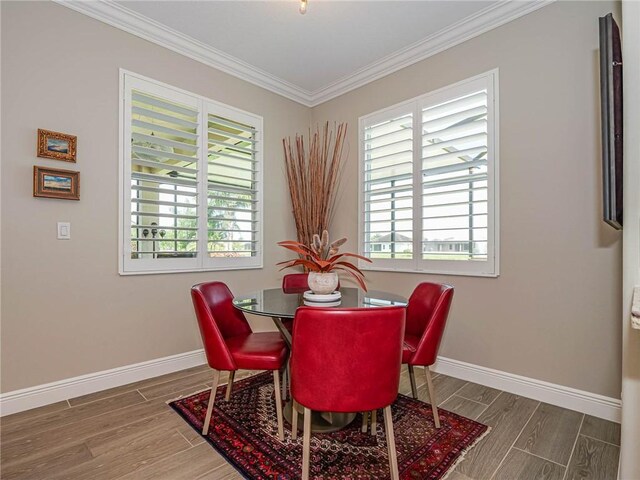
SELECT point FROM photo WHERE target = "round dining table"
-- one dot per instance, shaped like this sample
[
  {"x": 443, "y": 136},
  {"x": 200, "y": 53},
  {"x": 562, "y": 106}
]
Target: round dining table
[{"x": 281, "y": 306}]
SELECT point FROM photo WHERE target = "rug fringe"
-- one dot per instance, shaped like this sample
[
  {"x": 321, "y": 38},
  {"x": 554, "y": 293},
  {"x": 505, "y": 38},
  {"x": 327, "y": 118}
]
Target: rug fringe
[{"x": 464, "y": 453}]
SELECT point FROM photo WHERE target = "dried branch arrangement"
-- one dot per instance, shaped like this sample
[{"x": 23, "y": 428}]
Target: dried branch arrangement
[{"x": 313, "y": 177}]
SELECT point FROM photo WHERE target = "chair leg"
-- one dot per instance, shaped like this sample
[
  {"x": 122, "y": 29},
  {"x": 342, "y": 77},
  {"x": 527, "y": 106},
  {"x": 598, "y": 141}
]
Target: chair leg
[
  {"x": 365, "y": 420},
  {"x": 294, "y": 420},
  {"x": 212, "y": 399},
  {"x": 306, "y": 443},
  {"x": 276, "y": 384},
  {"x": 412, "y": 378},
  {"x": 374, "y": 422},
  {"x": 285, "y": 382},
  {"x": 432, "y": 397},
  {"x": 227, "y": 395},
  {"x": 391, "y": 443}
]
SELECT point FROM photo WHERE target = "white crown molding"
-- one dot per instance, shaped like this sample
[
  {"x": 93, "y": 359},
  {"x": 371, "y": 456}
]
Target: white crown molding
[
  {"x": 125, "y": 19},
  {"x": 466, "y": 29},
  {"x": 32, "y": 397},
  {"x": 566, "y": 397},
  {"x": 141, "y": 26}
]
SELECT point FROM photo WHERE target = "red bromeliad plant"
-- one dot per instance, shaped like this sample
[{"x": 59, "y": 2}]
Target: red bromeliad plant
[{"x": 322, "y": 256}]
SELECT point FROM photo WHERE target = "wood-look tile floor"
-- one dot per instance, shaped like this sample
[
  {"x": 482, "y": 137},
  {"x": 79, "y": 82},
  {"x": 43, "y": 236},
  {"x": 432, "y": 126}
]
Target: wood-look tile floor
[{"x": 130, "y": 433}]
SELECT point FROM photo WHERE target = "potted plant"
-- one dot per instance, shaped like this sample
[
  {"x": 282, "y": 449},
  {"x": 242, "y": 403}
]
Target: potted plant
[{"x": 323, "y": 261}]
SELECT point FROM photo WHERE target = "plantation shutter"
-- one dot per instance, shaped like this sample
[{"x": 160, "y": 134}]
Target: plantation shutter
[
  {"x": 190, "y": 182},
  {"x": 429, "y": 167},
  {"x": 387, "y": 145},
  {"x": 454, "y": 178},
  {"x": 233, "y": 187},
  {"x": 163, "y": 150}
]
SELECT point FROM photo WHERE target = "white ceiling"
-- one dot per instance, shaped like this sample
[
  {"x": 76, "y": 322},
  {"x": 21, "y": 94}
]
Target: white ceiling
[{"x": 335, "y": 47}]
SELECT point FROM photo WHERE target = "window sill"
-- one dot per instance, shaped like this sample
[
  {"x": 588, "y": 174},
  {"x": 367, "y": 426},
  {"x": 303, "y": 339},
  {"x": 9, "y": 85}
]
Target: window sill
[
  {"x": 191, "y": 270},
  {"x": 429, "y": 272}
]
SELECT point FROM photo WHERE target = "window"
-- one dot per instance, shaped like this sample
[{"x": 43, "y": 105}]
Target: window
[
  {"x": 191, "y": 181},
  {"x": 429, "y": 179}
]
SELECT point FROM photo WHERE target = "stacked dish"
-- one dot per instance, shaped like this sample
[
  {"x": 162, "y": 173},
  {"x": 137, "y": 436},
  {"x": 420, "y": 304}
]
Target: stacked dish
[{"x": 315, "y": 300}]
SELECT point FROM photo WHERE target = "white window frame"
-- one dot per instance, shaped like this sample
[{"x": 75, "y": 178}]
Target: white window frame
[
  {"x": 488, "y": 268},
  {"x": 202, "y": 262}
]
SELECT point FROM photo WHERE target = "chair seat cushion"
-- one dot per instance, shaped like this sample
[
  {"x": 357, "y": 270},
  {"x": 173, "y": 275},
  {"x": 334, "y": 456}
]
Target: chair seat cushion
[
  {"x": 258, "y": 351},
  {"x": 409, "y": 347}
]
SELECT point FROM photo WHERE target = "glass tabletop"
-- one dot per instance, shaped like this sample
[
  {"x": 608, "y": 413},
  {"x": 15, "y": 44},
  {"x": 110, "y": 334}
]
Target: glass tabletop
[{"x": 273, "y": 302}]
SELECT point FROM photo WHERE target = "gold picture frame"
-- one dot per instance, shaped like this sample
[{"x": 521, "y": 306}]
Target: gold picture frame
[
  {"x": 56, "y": 145},
  {"x": 56, "y": 183}
]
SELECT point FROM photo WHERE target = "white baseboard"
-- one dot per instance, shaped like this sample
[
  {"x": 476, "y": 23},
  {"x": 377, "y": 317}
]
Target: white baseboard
[
  {"x": 567, "y": 397},
  {"x": 32, "y": 397}
]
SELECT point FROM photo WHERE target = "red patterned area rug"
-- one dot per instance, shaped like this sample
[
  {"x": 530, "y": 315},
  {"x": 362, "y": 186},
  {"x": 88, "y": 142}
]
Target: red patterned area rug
[{"x": 244, "y": 431}]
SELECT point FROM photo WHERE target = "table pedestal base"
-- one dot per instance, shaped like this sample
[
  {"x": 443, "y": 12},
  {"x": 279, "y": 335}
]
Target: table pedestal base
[{"x": 321, "y": 422}]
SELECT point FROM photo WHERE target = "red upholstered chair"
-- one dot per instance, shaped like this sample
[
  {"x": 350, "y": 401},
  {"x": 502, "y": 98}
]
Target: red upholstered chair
[
  {"x": 295, "y": 283},
  {"x": 346, "y": 360},
  {"x": 427, "y": 313},
  {"x": 231, "y": 345}
]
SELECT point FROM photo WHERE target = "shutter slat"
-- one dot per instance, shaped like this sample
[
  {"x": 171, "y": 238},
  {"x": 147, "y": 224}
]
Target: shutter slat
[
  {"x": 452, "y": 118},
  {"x": 154, "y": 139},
  {"x": 162, "y": 166},
  {"x": 149, "y": 177},
  {"x": 231, "y": 146},
  {"x": 164, "y": 227},
  {"x": 157, "y": 102},
  {"x": 456, "y": 167},
  {"x": 455, "y": 155},
  {"x": 167, "y": 215},
  {"x": 216, "y": 131},
  {"x": 165, "y": 118},
  {"x": 375, "y": 132},
  {"x": 230, "y": 123},
  {"x": 162, "y": 154},
  {"x": 459, "y": 190},
  {"x": 165, "y": 203},
  {"x": 181, "y": 193},
  {"x": 233, "y": 157},
  {"x": 457, "y": 105},
  {"x": 456, "y": 131},
  {"x": 161, "y": 128},
  {"x": 477, "y": 177}
]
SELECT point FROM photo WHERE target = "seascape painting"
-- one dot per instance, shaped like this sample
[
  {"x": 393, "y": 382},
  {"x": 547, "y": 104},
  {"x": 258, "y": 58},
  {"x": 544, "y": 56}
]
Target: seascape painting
[
  {"x": 56, "y": 183},
  {"x": 57, "y": 145}
]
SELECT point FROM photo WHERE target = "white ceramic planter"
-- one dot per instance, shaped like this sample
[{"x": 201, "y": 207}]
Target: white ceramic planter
[{"x": 323, "y": 283}]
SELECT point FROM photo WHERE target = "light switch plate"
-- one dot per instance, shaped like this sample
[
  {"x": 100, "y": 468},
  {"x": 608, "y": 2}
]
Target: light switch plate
[{"x": 64, "y": 231}]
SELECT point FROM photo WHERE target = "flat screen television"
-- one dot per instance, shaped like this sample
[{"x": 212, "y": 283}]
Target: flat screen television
[{"x": 611, "y": 114}]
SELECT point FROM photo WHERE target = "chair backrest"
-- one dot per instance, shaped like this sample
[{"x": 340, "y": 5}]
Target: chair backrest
[
  {"x": 295, "y": 283},
  {"x": 218, "y": 319},
  {"x": 346, "y": 359},
  {"x": 427, "y": 313}
]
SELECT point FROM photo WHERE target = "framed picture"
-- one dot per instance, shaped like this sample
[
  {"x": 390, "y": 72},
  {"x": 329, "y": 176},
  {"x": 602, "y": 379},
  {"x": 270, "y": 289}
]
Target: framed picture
[
  {"x": 56, "y": 145},
  {"x": 56, "y": 183}
]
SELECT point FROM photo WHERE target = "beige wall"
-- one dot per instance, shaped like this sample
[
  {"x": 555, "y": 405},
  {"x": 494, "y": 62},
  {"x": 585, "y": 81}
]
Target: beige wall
[
  {"x": 65, "y": 309},
  {"x": 553, "y": 312}
]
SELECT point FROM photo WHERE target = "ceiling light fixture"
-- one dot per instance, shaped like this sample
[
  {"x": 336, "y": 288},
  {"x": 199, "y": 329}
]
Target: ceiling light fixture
[{"x": 303, "y": 6}]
